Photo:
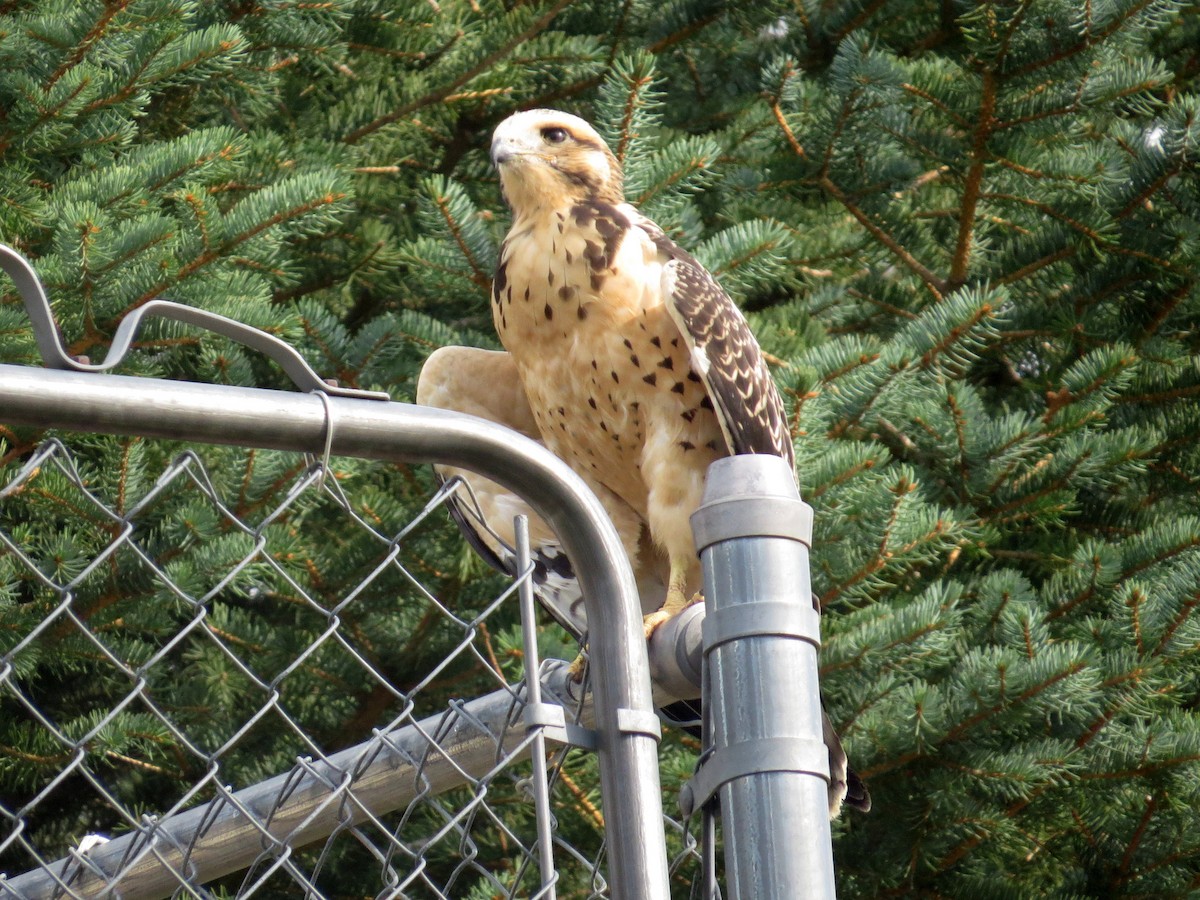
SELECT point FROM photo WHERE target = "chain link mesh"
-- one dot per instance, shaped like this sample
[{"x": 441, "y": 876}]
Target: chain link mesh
[{"x": 224, "y": 636}]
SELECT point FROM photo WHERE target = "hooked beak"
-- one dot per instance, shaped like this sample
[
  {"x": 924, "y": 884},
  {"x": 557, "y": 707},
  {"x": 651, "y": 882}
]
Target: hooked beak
[{"x": 502, "y": 152}]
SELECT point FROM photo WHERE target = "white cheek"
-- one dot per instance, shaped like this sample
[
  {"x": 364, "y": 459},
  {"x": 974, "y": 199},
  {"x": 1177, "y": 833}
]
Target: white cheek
[{"x": 598, "y": 163}]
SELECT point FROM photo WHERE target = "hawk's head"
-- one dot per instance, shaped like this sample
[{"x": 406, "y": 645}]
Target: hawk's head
[{"x": 548, "y": 158}]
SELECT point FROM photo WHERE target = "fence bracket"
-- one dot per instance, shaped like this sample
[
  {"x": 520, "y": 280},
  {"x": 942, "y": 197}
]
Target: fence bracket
[
  {"x": 799, "y": 755},
  {"x": 634, "y": 721},
  {"x": 762, "y": 620},
  {"x": 552, "y": 719}
]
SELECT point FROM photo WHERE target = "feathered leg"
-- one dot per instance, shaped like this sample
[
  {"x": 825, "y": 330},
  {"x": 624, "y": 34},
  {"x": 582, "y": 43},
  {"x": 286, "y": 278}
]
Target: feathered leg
[{"x": 676, "y": 601}]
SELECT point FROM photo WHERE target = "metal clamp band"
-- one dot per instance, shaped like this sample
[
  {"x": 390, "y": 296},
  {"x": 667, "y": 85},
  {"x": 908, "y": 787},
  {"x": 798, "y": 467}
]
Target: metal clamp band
[
  {"x": 725, "y": 520},
  {"x": 774, "y": 619},
  {"x": 544, "y": 715},
  {"x": 802, "y": 756},
  {"x": 636, "y": 721},
  {"x": 551, "y": 718}
]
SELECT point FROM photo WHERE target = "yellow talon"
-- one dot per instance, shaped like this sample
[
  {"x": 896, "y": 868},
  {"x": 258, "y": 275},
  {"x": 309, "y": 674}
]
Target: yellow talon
[
  {"x": 672, "y": 606},
  {"x": 577, "y": 667}
]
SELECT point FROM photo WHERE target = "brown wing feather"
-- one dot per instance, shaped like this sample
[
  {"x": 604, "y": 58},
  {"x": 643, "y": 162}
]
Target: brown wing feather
[{"x": 724, "y": 354}]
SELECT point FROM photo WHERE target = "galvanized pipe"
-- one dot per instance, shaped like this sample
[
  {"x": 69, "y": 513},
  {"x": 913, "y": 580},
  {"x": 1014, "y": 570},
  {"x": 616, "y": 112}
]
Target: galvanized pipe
[
  {"x": 768, "y": 765},
  {"x": 533, "y": 697},
  {"x": 403, "y": 433}
]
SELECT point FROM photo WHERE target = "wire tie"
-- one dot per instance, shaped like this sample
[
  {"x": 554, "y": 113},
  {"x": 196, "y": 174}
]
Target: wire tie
[{"x": 328, "y": 437}]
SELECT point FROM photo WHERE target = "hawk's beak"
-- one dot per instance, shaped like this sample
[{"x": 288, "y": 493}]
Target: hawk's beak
[{"x": 502, "y": 152}]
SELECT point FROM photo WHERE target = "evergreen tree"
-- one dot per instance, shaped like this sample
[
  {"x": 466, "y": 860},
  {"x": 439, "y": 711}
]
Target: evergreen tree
[{"x": 966, "y": 234}]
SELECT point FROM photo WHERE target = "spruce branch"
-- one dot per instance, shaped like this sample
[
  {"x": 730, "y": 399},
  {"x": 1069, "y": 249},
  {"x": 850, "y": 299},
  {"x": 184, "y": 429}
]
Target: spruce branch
[
  {"x": 961, "y": 426},
  {"x": 583, "y": 802},
  {"x": 47, "y": 114},
  {"x": 1139, "y": 201},
  {"x": 214, "y": 253},
  {"x": 883, "y": 305},
  {"x": 843, "y": 477},
  {"x": 1168, "y": 305},
  {"x": 1190, "y": 542},
  {"x": 964, "y": 849},
  {"x": 973, "y": 184},
  {"x": 112, "y": 8},
  {"x": 1161, "y": 397},
  {"x": 1038, "y": 174},
  {"x": 1007, "y": 513},
  {"x": 1102, "y": 381},
  {"x": 959, "y": 731},
  {"x": 639, "y": 83},
  {"x": 788, "y": 134},
  {"x": 851, "y": 426},
  {"x": 1178, "y": 621},
  {"x": 1075, "y": 106},
  {"x": 1099, "y": 724},
  {"x": 441, "y": 93},
  {"x": 1047, "y": 210},
  {"x": 479, "y": 275},
  {"x": 775, "y": 101},
  {"x": 1141, "y": 770},
  {"x": 935, "y": 285},
  {"x": 937, "y": 104},
  {"x": 212, "y": 44},
  {"x": 955, "y": 335},
  {"x": 1036, "y": 265},
  {"x": 886, "y": 556},
  {"x": 1134, "y": 841},
  {"x": 859, "y": 19},
  {"x": 695, "y": 25},
  {"x": 900, "y": 444},
  {"x": 1090, "y": 39}
]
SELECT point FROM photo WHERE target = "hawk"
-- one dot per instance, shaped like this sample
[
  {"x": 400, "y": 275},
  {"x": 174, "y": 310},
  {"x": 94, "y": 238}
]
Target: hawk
[
  {"x": 634, "y": 367},
  {"x": 639, "y": 369},
  {"x": 484, "y": 383}
]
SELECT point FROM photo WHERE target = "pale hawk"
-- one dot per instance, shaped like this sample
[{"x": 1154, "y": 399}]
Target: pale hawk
[{"x": 637, "y": 368}]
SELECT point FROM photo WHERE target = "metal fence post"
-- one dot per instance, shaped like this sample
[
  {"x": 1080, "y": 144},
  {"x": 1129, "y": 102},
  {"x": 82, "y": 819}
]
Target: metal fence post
[{"x": 768, "y": 765}]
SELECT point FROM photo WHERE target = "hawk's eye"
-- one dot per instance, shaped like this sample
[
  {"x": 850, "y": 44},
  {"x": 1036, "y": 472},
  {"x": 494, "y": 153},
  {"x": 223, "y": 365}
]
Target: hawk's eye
[{"x": 555, "y": 135}]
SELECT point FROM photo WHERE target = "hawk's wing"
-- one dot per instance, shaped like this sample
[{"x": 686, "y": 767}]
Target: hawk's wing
[
  {"x": 727, "y": 357},
  {"x": 484, "y": 383},
  {"x": 724, "y": 352}
]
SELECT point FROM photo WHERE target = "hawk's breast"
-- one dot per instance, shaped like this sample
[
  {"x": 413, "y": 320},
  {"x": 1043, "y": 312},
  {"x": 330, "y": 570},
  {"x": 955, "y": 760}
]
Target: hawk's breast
[{"x": 577, "y": 301}]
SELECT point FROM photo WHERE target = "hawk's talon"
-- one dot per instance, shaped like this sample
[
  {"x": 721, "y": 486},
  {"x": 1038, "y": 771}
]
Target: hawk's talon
[
  {"x": 578, "y": 667},
  {"x": 651, "y": 621},
  {"x": 672, "y": 606}
]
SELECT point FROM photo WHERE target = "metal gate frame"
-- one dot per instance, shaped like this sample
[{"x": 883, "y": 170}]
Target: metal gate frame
[{"x": 626, "y": 725}]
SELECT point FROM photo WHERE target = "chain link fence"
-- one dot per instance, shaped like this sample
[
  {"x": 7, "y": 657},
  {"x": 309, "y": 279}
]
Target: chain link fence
[{"x": 433, "y": 799}]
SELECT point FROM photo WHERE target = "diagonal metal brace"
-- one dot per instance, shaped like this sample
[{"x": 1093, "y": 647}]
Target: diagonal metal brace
[{"x": 54, "y": 352}]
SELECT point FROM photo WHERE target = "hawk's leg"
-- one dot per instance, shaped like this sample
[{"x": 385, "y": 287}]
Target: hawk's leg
[
  {"x": 677, "y": 600},
  {"x": 675, "y": 603}
]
